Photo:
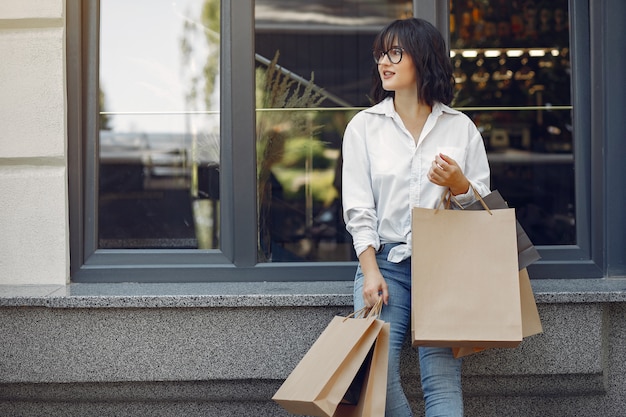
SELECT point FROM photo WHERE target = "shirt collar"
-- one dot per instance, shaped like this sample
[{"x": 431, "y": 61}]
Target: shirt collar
[{"x": 386, "y": 108}]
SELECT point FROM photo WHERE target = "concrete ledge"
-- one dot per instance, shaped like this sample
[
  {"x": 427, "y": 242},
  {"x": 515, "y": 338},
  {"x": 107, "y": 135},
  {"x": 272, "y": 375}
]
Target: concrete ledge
[
  {"x": 209, "y": 348},
  {"x": 219, "y": 294},
  {"x": 262, "y": 294}
]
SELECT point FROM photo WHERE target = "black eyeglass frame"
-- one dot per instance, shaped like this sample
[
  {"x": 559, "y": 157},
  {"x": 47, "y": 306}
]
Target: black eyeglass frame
[{"x": 378, "y": 55}]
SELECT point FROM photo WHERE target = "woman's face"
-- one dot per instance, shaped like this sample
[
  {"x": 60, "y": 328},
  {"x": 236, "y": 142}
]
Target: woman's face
[{"x": 399, "y": 76}]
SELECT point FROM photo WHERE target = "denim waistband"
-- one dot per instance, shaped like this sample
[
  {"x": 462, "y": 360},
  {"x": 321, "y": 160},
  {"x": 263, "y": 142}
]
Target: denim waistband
[{"x": 386, "y": 247}]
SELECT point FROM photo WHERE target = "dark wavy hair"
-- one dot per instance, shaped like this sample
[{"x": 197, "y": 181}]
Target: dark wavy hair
[{"x": 423, "y": 42}]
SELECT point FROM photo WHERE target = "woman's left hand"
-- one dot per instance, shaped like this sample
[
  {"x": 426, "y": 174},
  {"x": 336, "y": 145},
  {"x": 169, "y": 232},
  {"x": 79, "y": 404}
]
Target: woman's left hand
[{"x": 445, "y": 171}]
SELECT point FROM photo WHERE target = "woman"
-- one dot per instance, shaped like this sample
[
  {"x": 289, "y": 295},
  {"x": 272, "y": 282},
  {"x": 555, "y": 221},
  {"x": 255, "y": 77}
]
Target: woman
[{"x": 403, "y": 152}]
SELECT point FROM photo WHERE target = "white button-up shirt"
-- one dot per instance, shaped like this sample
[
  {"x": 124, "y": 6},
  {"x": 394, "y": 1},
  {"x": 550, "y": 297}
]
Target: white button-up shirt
[{"x": 384, "y": 171}]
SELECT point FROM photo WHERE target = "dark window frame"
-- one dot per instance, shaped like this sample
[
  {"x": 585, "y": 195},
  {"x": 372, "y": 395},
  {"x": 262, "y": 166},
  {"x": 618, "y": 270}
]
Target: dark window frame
[{"x": 236, "y": 258}]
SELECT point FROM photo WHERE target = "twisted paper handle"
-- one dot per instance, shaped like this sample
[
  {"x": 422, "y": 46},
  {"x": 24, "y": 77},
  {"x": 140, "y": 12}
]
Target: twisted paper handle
[
  {"x": 367, "y": 312},
  {"x": 447, "y": 197}
]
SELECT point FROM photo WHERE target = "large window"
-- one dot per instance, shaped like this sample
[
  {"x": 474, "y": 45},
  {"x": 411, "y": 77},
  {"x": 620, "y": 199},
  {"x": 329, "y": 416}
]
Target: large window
[{"x": 206, "y": 144}]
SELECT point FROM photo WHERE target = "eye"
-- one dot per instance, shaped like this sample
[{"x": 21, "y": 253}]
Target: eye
[{"x": 396, "y": 52}]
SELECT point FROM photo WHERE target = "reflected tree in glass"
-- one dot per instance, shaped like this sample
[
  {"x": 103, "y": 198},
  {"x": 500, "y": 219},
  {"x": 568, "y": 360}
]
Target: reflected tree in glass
[{"x": 277, "y": 132}]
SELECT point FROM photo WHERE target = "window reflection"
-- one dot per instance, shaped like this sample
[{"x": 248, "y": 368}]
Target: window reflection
[
  {"x": 159, "y": 124},
  {"x": 314, "y": 67},
  {"x": 513, "y": 77},
  {"x": 159, "y": 143}
]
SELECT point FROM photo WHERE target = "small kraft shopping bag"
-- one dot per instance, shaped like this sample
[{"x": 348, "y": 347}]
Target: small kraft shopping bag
[
  {"x": 465, "y": 280},
  {"x": 344, "y": 373}
]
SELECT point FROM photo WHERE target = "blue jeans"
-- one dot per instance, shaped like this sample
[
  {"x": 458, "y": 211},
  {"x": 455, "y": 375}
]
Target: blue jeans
[{"x": 440, "y": 372}]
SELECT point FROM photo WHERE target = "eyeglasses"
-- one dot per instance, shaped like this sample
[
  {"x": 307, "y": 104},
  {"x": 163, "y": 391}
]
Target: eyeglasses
[{"x": 394, "y": 54}]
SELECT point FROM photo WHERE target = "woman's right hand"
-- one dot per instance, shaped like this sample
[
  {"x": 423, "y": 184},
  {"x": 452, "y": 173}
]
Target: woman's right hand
[{"x": 374, "y": 287}]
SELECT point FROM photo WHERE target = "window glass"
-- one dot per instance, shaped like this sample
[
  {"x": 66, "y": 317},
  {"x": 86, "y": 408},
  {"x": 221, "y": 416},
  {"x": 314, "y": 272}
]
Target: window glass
[
  {"x": 159, "y": 121},
  {"x": 313, "y": 72},
  {"x": 513, "y": 77},
  {"x": 159, "y": 124}
]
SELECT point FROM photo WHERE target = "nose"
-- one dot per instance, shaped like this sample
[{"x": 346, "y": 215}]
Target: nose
[{"x": 383, "y": 57}]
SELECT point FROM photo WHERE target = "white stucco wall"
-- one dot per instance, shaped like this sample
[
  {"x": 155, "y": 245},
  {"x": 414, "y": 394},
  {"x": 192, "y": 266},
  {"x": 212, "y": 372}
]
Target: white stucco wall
[{"x": 34, "y": 245}]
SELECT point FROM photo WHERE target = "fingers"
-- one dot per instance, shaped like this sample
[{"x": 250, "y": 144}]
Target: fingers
[
  {"x": 445, "y": 158},
  {"x": 385, "y": 295},
  {"x": 445, "y": 162},
  {"x": 437, "y": 173},
  {"x": 443, "y": 171},
  {"x": 371, "y": 296},
  {"x": 441, "y": 167}
]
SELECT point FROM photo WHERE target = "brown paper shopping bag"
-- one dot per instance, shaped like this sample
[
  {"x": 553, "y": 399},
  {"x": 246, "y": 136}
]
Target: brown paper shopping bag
[
  {"x": 531, "y": 322},
  {"x": 320, "y": 381},
  {"x": 373, "y": 393},
  {"x": 465, "y": 282}
]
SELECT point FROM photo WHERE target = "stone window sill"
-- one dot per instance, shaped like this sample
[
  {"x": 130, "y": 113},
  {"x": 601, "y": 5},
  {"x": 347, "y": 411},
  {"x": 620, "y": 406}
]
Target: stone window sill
[{"x": 262, "y": 294}]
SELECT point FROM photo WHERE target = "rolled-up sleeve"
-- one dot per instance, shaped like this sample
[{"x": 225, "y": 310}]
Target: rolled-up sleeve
[{"x": 359, "y": 208}]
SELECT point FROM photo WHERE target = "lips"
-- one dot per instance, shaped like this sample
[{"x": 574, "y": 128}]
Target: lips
[{"x": 387, "y": 74}]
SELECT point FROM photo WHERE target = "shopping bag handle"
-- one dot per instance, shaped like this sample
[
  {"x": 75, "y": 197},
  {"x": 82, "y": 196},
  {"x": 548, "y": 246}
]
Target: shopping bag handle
[
  {"x": 367, "y": 312},
  {"x": 447, "y": 197}
]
